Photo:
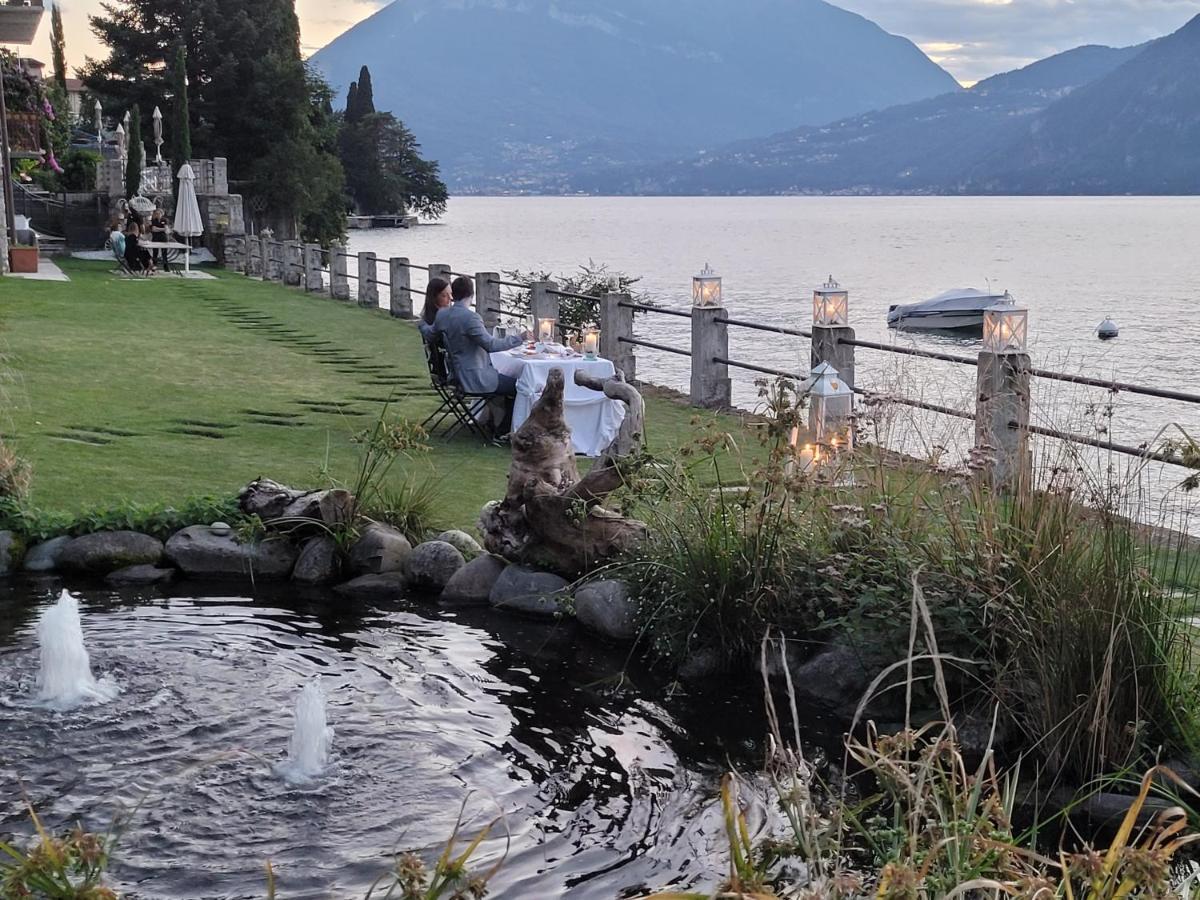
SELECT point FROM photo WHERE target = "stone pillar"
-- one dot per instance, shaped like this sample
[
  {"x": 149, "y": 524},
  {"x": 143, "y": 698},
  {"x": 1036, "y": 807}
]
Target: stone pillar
[
  {"x": 293, "y": 263},
  {"x": 828, "y": 346},
  {"x": 439, "y": 270},
  {"x": 487, "y": 298},
  {"x": 277, "y": 260},
  {"x": 400, "y": 302},
  {"x": 314, "y": 276},
  {"x": 711, "y": 387},
  {"x": 543, "y": 305},
  {"x": 616, "y": 322},
  {"x": 339, "y": 284},
  {"x": 264, "y": 255},
  {"x": 368, "y": 274},
  {"x": 1002, "y": 418}
]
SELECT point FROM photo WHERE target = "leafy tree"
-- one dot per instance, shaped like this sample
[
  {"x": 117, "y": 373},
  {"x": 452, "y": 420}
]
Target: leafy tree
[
  {"x": 385, "y": 172},
  {"x": 58, "y": 47},
  {"x": 133, "y": 156},
  {"x": 180, "y": 147}
]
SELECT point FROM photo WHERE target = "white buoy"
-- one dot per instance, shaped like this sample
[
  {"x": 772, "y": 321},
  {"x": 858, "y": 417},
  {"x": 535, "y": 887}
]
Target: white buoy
[{"x": 1107, "y": 330}]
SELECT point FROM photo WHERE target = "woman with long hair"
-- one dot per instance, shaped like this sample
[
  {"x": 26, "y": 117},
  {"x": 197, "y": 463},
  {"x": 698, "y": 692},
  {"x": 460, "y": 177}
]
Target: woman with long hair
[{"x": 437, "y": 296}]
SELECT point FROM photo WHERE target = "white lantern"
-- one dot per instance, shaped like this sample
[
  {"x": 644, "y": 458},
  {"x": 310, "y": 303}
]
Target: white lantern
[
  {"x": 1005, "y": 328},
  {"x": 546, "y": 330},
  {"x": 591, "y": 342},
  {"x": 831, "y": 410},
  {"x": 831, "y": 305},
  {"x": 706, "y": 288}
]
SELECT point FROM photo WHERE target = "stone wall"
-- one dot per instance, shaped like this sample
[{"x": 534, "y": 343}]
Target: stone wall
[{"x": 234, "y": 251}]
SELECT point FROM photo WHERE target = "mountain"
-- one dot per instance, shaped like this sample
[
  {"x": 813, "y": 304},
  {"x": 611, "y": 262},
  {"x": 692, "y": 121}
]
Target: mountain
[
  {"x": 936, "y": 145},
  {"x": 525, "y": 94},
  {"x": 1136, "y": 130}
]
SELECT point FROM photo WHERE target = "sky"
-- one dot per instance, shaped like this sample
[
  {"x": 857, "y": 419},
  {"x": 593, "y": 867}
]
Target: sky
[{"x": 970, "y": 38}]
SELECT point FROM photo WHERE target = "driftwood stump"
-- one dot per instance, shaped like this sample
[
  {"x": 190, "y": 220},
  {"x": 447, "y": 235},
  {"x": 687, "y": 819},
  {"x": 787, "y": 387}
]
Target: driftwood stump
[{"x": 550, "y": 517}]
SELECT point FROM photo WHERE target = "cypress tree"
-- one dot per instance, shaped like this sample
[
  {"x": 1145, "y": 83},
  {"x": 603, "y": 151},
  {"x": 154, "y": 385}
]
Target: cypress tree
[
  {"x": 352, "y": 102},
  {"x": 58, "y": 47},
  {"x": 366, "y": 94},
  {"x": 133, "y": 161},
  {"x": 181, "y": 127}
]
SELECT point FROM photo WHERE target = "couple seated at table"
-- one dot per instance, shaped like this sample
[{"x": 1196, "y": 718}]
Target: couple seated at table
[{"x": 448, "y": 315}]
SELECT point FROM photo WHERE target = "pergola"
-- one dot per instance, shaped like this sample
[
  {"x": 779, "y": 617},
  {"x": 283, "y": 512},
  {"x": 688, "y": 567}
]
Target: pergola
[{"x": 19, "y": 20}]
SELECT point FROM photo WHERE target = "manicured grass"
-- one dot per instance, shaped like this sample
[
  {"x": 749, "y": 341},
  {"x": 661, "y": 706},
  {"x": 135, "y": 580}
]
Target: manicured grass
[{"x": 150, "y": 391}]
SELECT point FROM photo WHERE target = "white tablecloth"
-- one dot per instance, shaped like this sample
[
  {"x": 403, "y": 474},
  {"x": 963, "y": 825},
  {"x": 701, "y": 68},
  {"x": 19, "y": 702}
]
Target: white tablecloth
[{"x": 593, "y": 418}]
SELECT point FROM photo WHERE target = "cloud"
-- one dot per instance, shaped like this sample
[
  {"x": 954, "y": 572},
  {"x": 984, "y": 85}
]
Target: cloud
[{"x": 997, "y": 35}]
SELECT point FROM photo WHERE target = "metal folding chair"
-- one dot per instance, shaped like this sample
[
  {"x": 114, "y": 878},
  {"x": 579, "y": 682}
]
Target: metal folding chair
[{"x": 456, "y": 406}]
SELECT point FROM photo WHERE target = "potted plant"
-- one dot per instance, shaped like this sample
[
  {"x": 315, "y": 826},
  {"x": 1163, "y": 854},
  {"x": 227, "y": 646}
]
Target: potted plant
[{"x": 23, "y": 258}]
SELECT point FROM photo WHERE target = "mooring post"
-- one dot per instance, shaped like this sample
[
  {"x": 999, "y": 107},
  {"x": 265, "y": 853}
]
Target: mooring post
[
  {"x": 368, "y": 290},
  {"x": 400, "y": 302},
  {"x": 314, "y": 275},
  {"x": 711, "y": 386},
  {"x": 616, "y": 328},
  {"x": 543, "y": 304},
  {"x": 1002, "y": 418},
  {"x": 339, "y": 284},
  {"x": 487, "y": 298}
]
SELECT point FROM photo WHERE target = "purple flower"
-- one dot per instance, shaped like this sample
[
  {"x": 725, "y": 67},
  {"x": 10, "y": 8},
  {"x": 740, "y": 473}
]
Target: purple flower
[
  {"x": 52, "y": 163},
  {"x": 48, "y": 109}
]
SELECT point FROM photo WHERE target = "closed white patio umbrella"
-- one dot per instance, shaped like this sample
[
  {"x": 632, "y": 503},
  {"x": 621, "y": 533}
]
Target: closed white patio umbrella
[{"x": 187, "y": 213}]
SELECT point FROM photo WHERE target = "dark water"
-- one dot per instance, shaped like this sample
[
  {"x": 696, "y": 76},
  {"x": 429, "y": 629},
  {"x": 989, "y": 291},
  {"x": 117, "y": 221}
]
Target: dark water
[{"x": 606, "y": 778}]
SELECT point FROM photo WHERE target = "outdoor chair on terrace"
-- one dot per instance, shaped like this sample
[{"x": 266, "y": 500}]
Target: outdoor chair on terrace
[{"x": 458, "y": 409}]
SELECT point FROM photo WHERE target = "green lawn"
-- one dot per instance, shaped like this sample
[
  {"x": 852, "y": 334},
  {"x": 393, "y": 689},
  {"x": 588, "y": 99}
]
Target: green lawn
[{"x": 150, "y": 391}]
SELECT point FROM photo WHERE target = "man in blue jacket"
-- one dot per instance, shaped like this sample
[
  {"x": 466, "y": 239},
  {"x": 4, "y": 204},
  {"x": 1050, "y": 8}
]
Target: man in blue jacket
[{"x": 469, "y": 345}]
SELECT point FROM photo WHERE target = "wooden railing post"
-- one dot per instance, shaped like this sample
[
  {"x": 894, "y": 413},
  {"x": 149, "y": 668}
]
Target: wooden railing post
[
  {"x": 616, "y": 322},
  {"x": 711, "y": 386},
  {"x": 314, "y": 276},
  {"x": 487, "y": 298},
  {"x": 368, "y": 290},
  {"x": 339, "y": 284},
  {"x": 400, "y": 302},
  {"x": 1002, "y": 418},
  {"x": 544, "y": 305},
  {"x": 828, "y": 346}
]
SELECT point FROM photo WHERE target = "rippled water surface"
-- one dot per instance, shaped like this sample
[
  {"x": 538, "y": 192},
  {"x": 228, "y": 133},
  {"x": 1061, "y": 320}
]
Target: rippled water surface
[{"x": 604, "y": 784}]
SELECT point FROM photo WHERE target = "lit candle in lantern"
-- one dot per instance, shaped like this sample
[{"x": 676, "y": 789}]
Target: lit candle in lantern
[
  {"x": 546, "y": 330},
  {"x": 591, "y": 342}
]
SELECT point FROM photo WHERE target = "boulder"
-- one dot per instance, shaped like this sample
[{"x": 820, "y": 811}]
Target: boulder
[
  {"x": 269, "y": 499},
  {"x": 141, "y": 575},
  {"x": 836, "y": 678},
  {"x": 462, "y": 542},
  {"x": 431, "y": 565},
  {"x": 12, "y": 549},
  {"x": 318, "y": 562},
  {"x": 472, "y": 584},
  {"x": 529, "y": 591},
  {"x": 107, "y": 551},
  {"x": 201, "y": 554},
  {"x": 606, "y": 608},
  {"x": 384, "y": 586},
  {"x": 703, "y": 663},
  {"x": 380, "y": 549},
  {"x": 43, "y": 557}
]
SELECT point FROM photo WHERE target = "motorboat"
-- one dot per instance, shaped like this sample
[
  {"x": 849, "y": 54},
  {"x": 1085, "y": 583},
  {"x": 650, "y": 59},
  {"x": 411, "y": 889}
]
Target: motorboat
[{"x": 959, "y": 310}]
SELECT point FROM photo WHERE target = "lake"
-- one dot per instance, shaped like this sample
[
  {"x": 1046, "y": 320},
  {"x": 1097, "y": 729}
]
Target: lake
[{"x": 1071, "y": 260}]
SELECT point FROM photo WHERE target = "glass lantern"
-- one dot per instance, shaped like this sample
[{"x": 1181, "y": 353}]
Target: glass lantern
[
  {"x": 591, "y": 342},
  {"x": 831, "y": 305},
  {"x": 831, "y": 405},
  {"x": 545, "y": 330},
  {"x": 1005, "y": 328},
  {"x": 706, "y": 288}
]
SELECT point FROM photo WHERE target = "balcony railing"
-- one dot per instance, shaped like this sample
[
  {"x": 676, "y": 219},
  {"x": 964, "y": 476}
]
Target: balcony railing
[{"x": 19, "y": 20}]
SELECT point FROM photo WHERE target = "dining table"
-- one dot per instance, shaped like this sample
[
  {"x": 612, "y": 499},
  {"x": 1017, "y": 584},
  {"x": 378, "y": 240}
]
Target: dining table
[{"x": 593, "y": 418}]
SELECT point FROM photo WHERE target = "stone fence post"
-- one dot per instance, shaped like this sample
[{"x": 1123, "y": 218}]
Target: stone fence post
[
  {"x": 314, "y": 279},
  {"x": 487, "y": 298},
  {"x": 439, "y": 270},
  {"x": 544, "y": 305},
  {"x": 616, "y": 322},
  {"x": 253, "y": 258},
  {"x": 278, "y": 259},
  {"x": 264, "y": 255},
  {"x": 339, "y": 284},
  {"x": 368, "y": 274},
  {"x": 293, "y": 263},
  {"x": 400, "y": 302},
  {"x": 711, "y": 386},
  {"x": 828, "y": 346},
  {"x": 1002, "y": 417}
]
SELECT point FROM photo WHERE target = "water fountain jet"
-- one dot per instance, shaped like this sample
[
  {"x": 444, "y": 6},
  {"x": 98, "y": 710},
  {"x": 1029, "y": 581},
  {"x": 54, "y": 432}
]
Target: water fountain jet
[
  {"x": 312, "y": 738},
  {"x": 65, "y": 677}
]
